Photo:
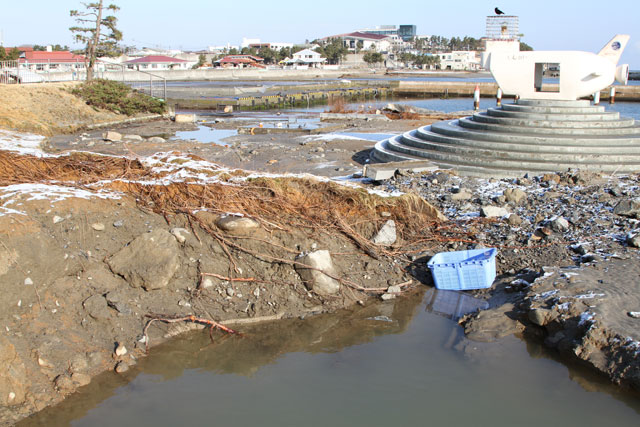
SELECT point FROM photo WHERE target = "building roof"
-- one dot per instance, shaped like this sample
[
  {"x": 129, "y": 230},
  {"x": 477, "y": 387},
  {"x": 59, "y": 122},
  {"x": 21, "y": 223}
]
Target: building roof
[
  {"x": 358, "y": 35},
  {"x": 240, "y": 59},
  {"x": 155, "y": 59},
  {"x": 56, "y": 56},
  {"x": 20, "y": 49}
]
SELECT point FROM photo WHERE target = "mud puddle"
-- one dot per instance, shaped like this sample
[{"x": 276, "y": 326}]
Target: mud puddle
[{"x": 404, "y": 362}]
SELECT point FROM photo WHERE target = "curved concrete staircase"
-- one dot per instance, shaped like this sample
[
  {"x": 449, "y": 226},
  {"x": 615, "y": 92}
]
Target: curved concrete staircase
[{"x": 529, "y": 136}]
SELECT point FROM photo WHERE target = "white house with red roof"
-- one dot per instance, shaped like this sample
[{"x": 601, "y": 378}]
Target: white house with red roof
[
  {"x": 158, "y": 62},
  {"x": 62, "y": 60},
  {"x": 367, "y": 41}
]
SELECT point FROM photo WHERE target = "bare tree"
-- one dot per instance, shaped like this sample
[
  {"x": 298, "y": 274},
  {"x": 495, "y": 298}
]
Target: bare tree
[{"x": 91, "y": 22}]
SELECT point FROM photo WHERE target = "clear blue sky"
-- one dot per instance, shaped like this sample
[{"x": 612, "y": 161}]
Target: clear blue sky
[{"x": 195, "y": 24}]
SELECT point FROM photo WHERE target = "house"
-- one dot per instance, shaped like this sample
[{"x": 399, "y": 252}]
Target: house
[
  {"x": 306, "y": 57},
  {"x": 364, "y": 41},
  {"x": 459, "y": 60},
  {"x": 240, "y": 61},
  {"x": 158, "y": 62},
  {"x": 62, "y": 60}
]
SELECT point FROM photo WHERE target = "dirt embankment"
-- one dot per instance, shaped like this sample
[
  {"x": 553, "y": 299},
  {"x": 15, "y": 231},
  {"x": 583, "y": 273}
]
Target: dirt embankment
[
  {"x": 47, "y": 109},
  {"x": 86, "y": 262}
]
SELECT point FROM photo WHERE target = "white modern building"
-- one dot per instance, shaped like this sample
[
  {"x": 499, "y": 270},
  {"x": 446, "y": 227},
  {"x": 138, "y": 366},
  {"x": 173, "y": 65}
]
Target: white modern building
[
  {"x": 460, "y": 60},
  {"x": 306, "y": 57}
]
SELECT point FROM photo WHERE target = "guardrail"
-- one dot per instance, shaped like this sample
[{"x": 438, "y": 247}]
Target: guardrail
[{"x": 17, "y": 72}]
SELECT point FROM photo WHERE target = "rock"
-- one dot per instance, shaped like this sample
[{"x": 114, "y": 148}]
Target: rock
[
  {"x": 63, "y": 383},
  {"x": 118, "y": 223},
  {"x": 149, "y": 261},
  {"x": 230, "y": 291},
  {"x": 180, "y": 234},
  {"x": 116, "y": 300},
  {"x": 121, "y": 350},
  {"x": 78, "y": 363},
  {"x": 559, "y": 224},
  {"x": 539, "y": 316},
  {"x": 314, "y": 279},
  {"x": 57, "y": 219},
  {"x": 580, "y": 249},
  {"x": 461, "y": 195},
  {"x": 121, "y": 367},
  {"x": 628, "y": 208},
  {"x": 633, "y": 239},
  {"x": 634, "y": 314},
  {"x": 96, "y": 306},
  {"x": 387, "y": 234},
  {"x": 80, "y": 379},
  {"x": 391, "y": 292},
  {"x": 493, "y": 211},
  {"x": 133, "y": 137},
  {"x": 514, "y": 195},
  {"x": 551, "y": 178},
  {"x": 28, "y": 281},
  {"x": 514, "y": 220},
  {"x": 156, "y": 140},
  {"x": 112, "y": 136},
  {"x": 206, "y": 283},
  {"x": 237, "y": 224},
  {"x": 98, "y": 226},
  {"x": 184, "y": 118}
]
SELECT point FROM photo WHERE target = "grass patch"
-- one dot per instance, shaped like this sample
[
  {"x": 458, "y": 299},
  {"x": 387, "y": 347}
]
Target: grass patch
[{"x": 118, "y": 97}]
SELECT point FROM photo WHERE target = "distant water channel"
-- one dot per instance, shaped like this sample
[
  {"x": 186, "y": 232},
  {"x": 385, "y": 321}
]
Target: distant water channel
[{"x": 400, "y": 363}]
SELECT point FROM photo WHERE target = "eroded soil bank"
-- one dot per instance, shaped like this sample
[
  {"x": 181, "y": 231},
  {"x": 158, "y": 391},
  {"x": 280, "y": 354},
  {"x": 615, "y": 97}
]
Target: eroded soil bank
[{"x": 91, "y": 246}]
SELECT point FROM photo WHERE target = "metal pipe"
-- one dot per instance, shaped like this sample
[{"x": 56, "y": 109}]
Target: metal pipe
[
  {"x": 612, "y": 95},
  {"x": 476, "y": 98}
]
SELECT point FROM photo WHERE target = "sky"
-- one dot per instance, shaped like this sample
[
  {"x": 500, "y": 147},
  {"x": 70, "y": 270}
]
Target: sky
[{"x": 195, "y": 24}]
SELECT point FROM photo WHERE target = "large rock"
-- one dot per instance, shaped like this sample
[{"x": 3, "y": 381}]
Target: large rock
[
  {"x": 514, "y": 195},
  {"x": 629, "y": 208},
  {"x": 493, "y": 212},
  {"x": 237, "y": 224},
  {"x": 315, "y": 279},
  {"x": 185, "y": 118},
  {"x": 112, "y": 136},
  {"x": 387, "y": 234},
  {"x": 149, "y": 261}
]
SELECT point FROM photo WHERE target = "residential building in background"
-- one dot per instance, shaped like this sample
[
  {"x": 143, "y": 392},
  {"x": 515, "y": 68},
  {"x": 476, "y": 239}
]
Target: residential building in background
[{"x": 404, "y": 32}]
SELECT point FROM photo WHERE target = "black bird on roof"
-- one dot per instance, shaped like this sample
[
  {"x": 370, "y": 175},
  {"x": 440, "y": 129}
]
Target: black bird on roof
[{"x": 498, "y": 11}]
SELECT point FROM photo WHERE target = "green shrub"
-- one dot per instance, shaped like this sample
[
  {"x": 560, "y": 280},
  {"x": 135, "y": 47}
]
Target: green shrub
[{"x": 118, "y": 97}]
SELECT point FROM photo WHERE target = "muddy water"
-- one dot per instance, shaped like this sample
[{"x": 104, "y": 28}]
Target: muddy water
[{"x": 404, "y": 362}]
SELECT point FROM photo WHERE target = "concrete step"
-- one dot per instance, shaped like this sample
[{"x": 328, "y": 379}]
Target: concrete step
[
  {"x": 422, "y": 134},
  {"x": 449, "y": 128},
  {"x": 492, "y": 160},
  {"x": 551, "y": 110},
  {"x": 559, "y": 121},
  {"x": 473, "y": 124},
  {"x": 553, "y": 103},
  {"x": 591, "y": 116},
  {"x": 414, "y": 147}
]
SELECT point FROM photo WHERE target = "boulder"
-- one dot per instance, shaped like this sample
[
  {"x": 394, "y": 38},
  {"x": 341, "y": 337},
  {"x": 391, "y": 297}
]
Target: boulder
[
  {"x": 149, "y": 261},
  {"x": 112, "y": 136},
  {"x": 514, "y": 195},
  {"x": 133, "y": 137},
  {"x": 387, "y": 234},
  {"x": 628, "y": 208},
  {"x": 237, "y": 224},
  {"x": 185, "y": 118},
  {"x": 156, "y": 140},
  {"x": 315, "y": 279},
  {"x": 493, "y": 211}
]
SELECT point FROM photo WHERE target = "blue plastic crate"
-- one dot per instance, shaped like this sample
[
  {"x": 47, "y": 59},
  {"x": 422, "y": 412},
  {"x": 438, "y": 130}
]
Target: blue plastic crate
[{"x": 464, "y": 270}]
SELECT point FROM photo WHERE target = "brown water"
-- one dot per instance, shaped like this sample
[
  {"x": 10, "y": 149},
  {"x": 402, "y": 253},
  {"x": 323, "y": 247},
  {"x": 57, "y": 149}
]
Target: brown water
[{"x": 404, "y": 362}]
